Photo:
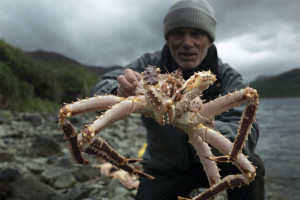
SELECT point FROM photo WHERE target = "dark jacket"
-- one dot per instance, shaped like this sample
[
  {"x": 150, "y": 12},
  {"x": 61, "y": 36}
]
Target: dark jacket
[{"x": 168, "y": 149}]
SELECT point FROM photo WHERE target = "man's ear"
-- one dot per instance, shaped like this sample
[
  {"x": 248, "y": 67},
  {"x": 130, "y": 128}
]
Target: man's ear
[{"x": 167, "y": 42}]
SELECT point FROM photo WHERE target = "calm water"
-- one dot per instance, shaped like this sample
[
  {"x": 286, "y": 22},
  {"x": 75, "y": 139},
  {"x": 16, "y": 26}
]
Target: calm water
[{"x": 279, "y": 144}]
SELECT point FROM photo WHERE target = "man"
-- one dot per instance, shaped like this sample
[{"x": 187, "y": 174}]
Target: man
[{"x": 189, "y": 30}]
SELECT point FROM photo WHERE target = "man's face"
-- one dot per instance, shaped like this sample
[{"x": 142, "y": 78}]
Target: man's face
[{"x": 188, "y": 46}]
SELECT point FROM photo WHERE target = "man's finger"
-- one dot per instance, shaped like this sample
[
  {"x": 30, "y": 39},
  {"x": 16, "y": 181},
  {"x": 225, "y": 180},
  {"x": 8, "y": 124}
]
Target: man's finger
[
  {"x": 123, "y": 93},
  {"x": 138, "y": 75},
  {"x": 124, "y": 85},
  {"x": 131, "y": 76}
]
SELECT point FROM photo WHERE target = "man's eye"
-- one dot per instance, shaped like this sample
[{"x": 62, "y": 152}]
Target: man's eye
[
  {"x": 197, "y": 33},
  {"x": 177, "y": 33}
]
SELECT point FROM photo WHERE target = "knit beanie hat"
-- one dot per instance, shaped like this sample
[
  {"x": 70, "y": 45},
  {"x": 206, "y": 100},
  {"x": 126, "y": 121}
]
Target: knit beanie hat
[{"x": 192, "y": 14}]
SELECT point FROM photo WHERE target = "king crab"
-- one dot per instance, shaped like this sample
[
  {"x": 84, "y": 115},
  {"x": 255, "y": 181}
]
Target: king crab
[{"x": 169, "y": 99}]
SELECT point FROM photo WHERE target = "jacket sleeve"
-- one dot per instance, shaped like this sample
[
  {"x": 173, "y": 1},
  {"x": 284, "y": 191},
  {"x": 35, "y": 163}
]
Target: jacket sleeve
[
  {"x": 108, "y": 83},
  {"x": 228, "y": 122}
]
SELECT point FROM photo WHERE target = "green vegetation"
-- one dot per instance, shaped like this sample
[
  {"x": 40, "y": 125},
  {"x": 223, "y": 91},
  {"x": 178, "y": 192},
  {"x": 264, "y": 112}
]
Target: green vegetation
[
  {"x": 283, "y": 85},
  {"x": 32, "y": 85}
]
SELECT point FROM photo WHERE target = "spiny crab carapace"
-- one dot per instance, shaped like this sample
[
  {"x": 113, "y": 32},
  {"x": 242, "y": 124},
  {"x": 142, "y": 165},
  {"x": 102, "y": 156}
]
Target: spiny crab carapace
[{"x": 169, "y": 99}]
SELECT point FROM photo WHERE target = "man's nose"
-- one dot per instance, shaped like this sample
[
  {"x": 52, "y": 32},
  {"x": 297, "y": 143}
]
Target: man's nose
[{"x": 187, "y": 40}]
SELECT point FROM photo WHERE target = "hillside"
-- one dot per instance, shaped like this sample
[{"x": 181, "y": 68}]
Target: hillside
[
  {"x": 51, "y": 57},
  {"x": 28, "y": 84},
  {"x": 55, "y": 57},
  {"x": 286, "y": 84}
]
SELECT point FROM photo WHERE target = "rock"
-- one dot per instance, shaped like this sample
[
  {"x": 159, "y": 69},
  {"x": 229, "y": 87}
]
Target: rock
[
  {"x": 6, "y": 156},
  {"x": 278, "y": 197},
  {"x": 86, "y": 173},
  {"x": 79, "y": 192},
  {"x": 65, "y": 162},
  {"x": 2, "y": 134},
  {"x": 4, "y": 191},
  {"x": 121, "y": 191},
  {"x": 52, "y": 159},
  {"x": 6, "y": 116},
  {"x": 28, "y": 189},
  {"x": 9, "y": 175},
  {"x": 65, "y": 180},
  {"x": 45, "y": 146},
  {"x": 50, "y": 174},
  {"x": 121, "y": 197},
  {"x": 113, "y": 185},
  {"x": 35, "y": 119},
  {"x": 35, "y": 165},
  {"x": 118, "y": 190},
  {"x": 105, "y": 198}
]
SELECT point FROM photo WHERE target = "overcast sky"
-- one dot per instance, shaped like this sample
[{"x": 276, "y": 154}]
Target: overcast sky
[{"x": 254, "y": 36}]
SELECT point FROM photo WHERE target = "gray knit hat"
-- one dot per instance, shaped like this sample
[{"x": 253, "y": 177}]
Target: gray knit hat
[{"x": 193, "y": 14}]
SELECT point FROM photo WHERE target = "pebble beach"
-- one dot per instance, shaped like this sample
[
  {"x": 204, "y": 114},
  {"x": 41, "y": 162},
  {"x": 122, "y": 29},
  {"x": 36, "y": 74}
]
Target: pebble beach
[{"x": 36, "y": 164}]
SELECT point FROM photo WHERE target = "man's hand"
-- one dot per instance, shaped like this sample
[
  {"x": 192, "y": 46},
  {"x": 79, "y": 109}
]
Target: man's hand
[{"x": 128, "y": 82}]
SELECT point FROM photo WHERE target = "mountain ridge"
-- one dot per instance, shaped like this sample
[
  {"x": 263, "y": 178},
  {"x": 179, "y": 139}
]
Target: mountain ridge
[
  {"x": 284, "y": 84},
  {"x": 48, "y": 56}
]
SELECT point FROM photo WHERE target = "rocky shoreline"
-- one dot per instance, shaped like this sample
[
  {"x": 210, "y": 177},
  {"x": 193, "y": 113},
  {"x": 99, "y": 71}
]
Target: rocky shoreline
[{"x": 36, "y": 164}]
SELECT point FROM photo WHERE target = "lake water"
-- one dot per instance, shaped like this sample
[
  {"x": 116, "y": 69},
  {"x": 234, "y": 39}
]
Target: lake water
[{"x": 279, "y": 145}]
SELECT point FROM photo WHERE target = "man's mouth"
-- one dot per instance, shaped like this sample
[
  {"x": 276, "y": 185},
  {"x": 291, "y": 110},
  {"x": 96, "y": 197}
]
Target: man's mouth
[{"x": 187, "y": 55}]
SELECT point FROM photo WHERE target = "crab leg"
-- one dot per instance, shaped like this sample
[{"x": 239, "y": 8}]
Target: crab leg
[
  {"x": 96, "y": 103},
  {"x": 222, "y": 104},
  {"x": 97, "y": 146},
  {"x": 229, "y": 101},
  {"x": 221, "y": 143},
  {"x": 86, "y": 141},
  {"x": 92, "y": 144},
  {"x": 230, "y": 181},
  {"x": 204, "y": 151},
  {"x": 248, "y": 117},
  {"x": 70, "y": 135},
  {"x": 115, "y": 113}
]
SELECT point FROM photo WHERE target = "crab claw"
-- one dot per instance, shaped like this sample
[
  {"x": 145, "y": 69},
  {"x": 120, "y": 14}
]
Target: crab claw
[
  {"x": 142, "y": 174},
  {"x": 201, "y": 81}
]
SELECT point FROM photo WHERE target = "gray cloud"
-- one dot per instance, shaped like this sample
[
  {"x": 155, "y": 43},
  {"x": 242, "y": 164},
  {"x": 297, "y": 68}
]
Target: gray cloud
[{"x": 256, "y": 37}]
